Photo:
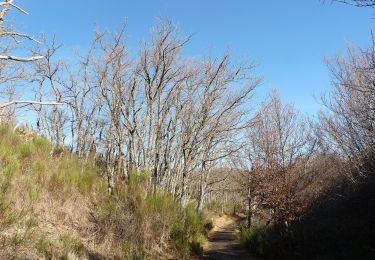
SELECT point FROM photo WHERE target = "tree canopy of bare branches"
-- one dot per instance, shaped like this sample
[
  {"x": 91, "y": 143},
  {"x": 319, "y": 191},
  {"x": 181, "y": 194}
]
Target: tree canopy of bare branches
[
  {"x": 348, "y": 123},
  {"x": 8, "y": 70},
  {"x": 156, "y": 111},
  {"x": 358, "y": 3},
  {"x": 7, "y": 32},
  {"x": 274, "y": 159}
]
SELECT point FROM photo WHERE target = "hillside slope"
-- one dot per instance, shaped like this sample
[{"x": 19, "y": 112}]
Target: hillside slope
[{"x": 57, "y": 206}]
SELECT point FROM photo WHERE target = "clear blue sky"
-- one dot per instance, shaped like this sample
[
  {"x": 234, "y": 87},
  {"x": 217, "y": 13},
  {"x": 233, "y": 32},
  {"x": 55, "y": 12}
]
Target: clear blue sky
[{"x": 287, "y": 39}]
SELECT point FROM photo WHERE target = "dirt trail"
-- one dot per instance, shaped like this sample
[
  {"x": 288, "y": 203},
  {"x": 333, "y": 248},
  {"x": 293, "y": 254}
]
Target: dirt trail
[{"x": 222, "y": 243}]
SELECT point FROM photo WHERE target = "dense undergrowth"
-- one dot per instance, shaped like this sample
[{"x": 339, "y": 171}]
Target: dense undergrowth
[
  {"x": 57, "y": 206},
  {"x": 340, "y": 224}
]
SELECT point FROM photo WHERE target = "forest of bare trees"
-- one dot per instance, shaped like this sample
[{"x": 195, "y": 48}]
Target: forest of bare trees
[
  {"x": 182, "y": 120},
  {"x": 172, "y": 116},
  {"x": 156, "y": 112}
]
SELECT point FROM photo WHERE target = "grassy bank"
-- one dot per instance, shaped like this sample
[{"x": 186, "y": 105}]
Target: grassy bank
[{"x": 57, "y": 206}]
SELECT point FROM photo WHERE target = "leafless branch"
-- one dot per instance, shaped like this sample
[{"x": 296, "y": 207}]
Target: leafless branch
[
  {"x": 20, "y": 59},
  {"x": 30, "y": 102}
]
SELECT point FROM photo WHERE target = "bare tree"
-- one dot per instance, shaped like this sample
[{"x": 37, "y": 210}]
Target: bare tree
[
  {"x": 157, "y": 112},
  {"x": 7, "y": 32},
  {"x": 8, "y": 36},
  {"x": 274, "y": 160},
  {"x": 47, "y": 74},
  {"x": 348, "y": 122},
  {"x": 223, "y": 113},
  {"x": 161, "y": 73},
  {"x": 81, "y": 93}
]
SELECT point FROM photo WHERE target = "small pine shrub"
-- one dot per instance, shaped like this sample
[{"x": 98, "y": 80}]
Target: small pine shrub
[
  {"x": 11, "y": 169},
  {"x": 32, "y": 191},
  {"x": 73, "y": 172},
  {"x": 179, "y": 241},
  {"x": 42, "y": 145},
  {"x": 6, "y": 154},
  {"x": 193, "y": 223},
  {"x": 105, "y": 208},
  {"x": 6, "y": 177},
  {"x": 25, "y": 149},
  {"x": 137, "y": 178},
  {"x": 39, "y": 166},
  {"x": 58, "y": 151},
  {"x": 189, "y": 232}
]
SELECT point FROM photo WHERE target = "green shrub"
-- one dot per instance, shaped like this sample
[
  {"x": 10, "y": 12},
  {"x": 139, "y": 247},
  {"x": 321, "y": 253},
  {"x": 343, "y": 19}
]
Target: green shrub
[
  {"x": 39, "y": 166},
  {"x": 179, "y": 241},
  {"x": 57, "y": 151},
  {"x": 32, "y": 191},
  {"x": 142, "y": 220},
  {"x": 255, "y": 239},
  {"x": 161, "y": 202},
  {"x": 163, "y": 209},
  {"x": 103, "y": 211},
  {"x": 194, "y": 226},
  {"x": 72, "y": 171},
  {"x": 196, "y": 248},
  {"x": 6, "y": 177},
  {"x": 12, "y": 168},
  {"x": 6, "y": 154},
  {"x": 25, "y": 149},
  {"x": 137, "y": 178},
  {"x": 42, "y": 145},
  {"x": 189, "y": 233}
]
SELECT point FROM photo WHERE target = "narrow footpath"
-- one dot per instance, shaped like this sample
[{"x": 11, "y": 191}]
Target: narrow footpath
[{"x": 222, "y": 242}]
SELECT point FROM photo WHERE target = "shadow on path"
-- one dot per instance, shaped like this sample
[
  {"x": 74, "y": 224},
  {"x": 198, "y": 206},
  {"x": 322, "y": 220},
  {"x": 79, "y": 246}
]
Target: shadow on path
[{"x": 222, "y": 242}]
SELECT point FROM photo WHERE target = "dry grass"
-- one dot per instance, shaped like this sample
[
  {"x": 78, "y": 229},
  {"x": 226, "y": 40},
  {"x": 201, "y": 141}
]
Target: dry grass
[
  {"x": 45, "y": 201},
  {"x": 57, "y": 207}
]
